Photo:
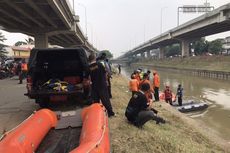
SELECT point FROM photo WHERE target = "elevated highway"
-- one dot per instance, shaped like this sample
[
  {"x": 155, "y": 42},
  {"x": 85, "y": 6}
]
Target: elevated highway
[
  {"x": 50, "y": 21},
  {"x": 210, "y": 23}
]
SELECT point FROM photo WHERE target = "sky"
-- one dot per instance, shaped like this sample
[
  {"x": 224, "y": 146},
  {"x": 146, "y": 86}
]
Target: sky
[{"x": 120, "y": 25}]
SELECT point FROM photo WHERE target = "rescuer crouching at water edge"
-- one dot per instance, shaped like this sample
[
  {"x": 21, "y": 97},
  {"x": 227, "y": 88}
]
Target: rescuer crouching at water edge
[{"x": 138, "y": 111}]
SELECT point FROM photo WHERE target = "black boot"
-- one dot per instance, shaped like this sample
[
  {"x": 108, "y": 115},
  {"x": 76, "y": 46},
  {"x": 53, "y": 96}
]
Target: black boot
[{"x": 160, "y": 120}]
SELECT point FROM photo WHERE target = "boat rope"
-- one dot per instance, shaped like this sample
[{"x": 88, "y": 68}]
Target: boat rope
[
  {"x": 6, "y": 133},
  {"x": 103, "y": 133}
]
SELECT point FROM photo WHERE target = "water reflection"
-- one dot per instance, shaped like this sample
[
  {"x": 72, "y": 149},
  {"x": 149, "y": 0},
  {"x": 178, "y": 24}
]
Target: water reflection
[{"x": 214, "y": 92}]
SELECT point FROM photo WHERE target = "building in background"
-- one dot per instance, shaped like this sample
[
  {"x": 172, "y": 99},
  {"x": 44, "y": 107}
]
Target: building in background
[
  {"x": 21, "y": 52},
  {"x": 226, "y": 45}
]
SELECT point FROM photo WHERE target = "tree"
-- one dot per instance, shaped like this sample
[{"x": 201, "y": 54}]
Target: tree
[
  {"x": 200, "y": 46},
  {"x": 28, "y": 41},
  {"x": 107, "y": 52},
  {"x": 172, "y": 50},
  {"x": 3, "y": 52},
  {"x": 215, "y": 46},
  {"x": 19, "y": 43}
]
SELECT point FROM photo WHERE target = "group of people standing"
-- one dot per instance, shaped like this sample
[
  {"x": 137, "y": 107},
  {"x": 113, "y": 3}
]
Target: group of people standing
[{"x": 138, "y": 77}]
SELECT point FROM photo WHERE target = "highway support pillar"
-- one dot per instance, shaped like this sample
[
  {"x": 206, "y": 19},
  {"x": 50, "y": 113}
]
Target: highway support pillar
[
  {"x": 148, "y": 54},
  {"x": 143, "y": 55},
  {"x": 161, "y": 53},
  {"x": 185, "y": 46},
  {"x": 41, "y": 40}
]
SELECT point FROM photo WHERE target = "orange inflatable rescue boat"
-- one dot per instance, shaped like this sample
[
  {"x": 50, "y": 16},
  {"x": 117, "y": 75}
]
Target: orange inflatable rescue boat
[
  {"x": 26, "y": 137},
  {"x": 95, "y": 132}
]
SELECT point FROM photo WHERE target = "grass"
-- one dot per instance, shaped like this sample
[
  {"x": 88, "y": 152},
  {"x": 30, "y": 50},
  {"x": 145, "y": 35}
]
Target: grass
[
  {"x": 213, "y": 63},
  {"x": 173, "y": 137}
]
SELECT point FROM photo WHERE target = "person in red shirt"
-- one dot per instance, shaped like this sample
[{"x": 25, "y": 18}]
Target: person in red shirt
[{"x": 168, "y": 95}]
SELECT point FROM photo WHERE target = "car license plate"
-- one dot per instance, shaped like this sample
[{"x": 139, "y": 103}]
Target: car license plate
[{"x": 58, "y": 98}]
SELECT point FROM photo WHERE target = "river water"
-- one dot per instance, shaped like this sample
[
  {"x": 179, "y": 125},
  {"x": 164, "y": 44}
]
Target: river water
[{"x": 214, "y": 92}]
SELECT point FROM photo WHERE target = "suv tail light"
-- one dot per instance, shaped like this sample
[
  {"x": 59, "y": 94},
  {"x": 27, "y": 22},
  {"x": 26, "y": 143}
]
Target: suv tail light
[{"x": 29, "y": 83}]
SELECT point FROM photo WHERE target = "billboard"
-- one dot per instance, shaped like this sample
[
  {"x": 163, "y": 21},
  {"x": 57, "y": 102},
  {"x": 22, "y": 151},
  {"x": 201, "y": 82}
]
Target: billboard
[{"x": 196, "y": 8}]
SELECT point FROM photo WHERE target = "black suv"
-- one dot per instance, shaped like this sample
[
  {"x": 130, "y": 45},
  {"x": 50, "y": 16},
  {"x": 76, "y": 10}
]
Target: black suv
[{"x": 57, "y": 75}]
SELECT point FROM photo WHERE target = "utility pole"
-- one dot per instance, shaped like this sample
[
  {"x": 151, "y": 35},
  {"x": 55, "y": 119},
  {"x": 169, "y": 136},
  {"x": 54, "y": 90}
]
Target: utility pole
[
  {"x": 73, "y": 8},
  {"x": 144, "y": 33},
  {"x": 161, "y": 18}
]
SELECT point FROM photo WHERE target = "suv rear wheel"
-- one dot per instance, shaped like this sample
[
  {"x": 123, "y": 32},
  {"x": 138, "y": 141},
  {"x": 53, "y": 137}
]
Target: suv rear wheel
[{"x": 43, "y": 102}]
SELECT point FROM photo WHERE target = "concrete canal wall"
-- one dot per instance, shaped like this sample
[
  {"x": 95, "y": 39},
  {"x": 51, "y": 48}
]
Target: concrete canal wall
[{"x": 195, "y": 72}]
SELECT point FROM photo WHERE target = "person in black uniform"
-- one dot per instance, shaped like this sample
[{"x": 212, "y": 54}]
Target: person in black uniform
[
  {"x": 138, "y": 111},
  {"x": 105, "y": 62},
  {"x": 99, "y": 85},
  {"x": 179, "y": 94},
  {"x": 119, "y": 69}
]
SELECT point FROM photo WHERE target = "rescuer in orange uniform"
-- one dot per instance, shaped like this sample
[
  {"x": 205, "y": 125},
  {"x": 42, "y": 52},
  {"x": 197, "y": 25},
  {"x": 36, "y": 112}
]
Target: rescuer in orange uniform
[
  {"x": 133, "y": 84},
  {"x": 156, "y": 85},
  {"x": 150, "y": 92},
  {"x": 23, "y": 71},
  {"x": 137, "y": 75}
]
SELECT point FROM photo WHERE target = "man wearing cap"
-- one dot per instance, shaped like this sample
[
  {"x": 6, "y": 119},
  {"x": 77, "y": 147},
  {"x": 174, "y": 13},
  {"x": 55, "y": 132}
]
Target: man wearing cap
[
  {"x": 105, "y": 62},
  {"x": 138, "y": 111},
  {"x": 99, "y": 86}
]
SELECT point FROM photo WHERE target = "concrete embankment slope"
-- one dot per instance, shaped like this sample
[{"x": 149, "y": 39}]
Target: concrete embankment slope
[
  {"x": 216, "y": 67},
  {"x": 211, "y": 63},
  {"x": 180, "y": 134}
]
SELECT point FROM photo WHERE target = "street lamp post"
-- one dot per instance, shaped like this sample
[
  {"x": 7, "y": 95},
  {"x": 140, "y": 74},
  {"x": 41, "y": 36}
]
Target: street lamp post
[
  {"x": 73, "y": 8},
  {"x": 161, "y": 18},
  {"x": 85, "y": 18}
]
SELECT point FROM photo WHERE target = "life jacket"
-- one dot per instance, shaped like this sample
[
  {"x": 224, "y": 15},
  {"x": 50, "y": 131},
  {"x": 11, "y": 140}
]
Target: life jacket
[
  {"x": 133, "y": 85},
  {"x": 24, "y": 67},
  {"x": 137, "y": 76},
  {"x": 156, "y": 81},
  {"x": 141, "y": 75},
  {"x": 168, "y": 94},
  {"x": 147, "y": 94}
]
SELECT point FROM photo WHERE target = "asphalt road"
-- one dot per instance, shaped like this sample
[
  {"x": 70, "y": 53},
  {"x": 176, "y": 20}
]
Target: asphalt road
[{"x": 14, "y": 106}]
